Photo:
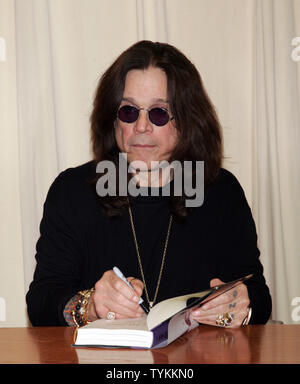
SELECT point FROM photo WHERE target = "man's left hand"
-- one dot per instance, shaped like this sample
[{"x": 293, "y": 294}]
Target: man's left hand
[{"x": 234, "y": 302}]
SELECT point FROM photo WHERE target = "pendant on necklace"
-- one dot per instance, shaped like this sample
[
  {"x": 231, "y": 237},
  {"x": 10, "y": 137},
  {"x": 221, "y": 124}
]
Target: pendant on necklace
[{"x": 150, "y": 304}]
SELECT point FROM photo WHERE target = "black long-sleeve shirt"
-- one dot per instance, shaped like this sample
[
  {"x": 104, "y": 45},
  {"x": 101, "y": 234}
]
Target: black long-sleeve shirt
[{"x": 78, "y": 243}]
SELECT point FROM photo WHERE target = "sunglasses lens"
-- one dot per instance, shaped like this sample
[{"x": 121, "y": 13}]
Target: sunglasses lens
[
  {"x": 159, "y": 116},
  {"x": 128, "y": 114}
]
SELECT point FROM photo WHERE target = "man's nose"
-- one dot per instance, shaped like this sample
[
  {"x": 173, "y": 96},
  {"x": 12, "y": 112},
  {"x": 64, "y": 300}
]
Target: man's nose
[{"x": 143, "y": 123}]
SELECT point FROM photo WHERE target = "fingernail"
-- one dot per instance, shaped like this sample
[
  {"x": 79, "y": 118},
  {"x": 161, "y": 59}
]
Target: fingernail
[
  {"x": 197, "y": 313},
  {"x": 136, "y": 299}
]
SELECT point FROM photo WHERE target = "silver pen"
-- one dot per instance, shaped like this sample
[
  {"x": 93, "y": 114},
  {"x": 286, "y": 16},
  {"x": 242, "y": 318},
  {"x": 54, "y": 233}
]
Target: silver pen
[{"x": 121, "y": 276}]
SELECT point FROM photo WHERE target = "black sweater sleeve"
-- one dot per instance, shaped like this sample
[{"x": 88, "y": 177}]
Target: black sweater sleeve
[
  {"x": 58, "y": 256},
  {"x": 241, "y": 254}
]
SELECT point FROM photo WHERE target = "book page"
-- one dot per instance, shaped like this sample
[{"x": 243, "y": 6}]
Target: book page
[
  {"x": 115, "y": 333},
  {"x": 139, "y": 323},
  {"x": 170, "y": 307}
]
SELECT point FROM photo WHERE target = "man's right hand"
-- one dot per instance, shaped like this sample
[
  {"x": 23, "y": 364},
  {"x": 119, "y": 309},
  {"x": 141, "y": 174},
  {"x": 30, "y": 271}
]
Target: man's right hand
[{"x": 113, "y": 295}]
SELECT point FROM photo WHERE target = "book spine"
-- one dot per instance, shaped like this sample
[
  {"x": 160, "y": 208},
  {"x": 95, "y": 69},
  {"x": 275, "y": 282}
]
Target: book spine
[
  {"x": 172, "y": 328},
  {"x": 160, "y": 334}
]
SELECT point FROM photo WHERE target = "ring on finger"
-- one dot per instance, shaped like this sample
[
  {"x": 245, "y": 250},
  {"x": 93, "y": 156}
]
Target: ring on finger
[
  {"x": 225, "y": 319},
  {"x": 111, "y": 315}
]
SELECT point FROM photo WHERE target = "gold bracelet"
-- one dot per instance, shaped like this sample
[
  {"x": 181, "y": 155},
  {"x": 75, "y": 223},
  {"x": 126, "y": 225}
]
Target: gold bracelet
[{"x": 80, "y": 313}]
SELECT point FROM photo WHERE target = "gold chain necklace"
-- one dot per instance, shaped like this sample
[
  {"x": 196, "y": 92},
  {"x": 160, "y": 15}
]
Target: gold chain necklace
[{"x": 151, "y": 303}]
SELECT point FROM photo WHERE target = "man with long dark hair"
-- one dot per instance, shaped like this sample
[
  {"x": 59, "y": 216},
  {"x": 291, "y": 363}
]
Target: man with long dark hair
[{"x": 151, "y": 106}]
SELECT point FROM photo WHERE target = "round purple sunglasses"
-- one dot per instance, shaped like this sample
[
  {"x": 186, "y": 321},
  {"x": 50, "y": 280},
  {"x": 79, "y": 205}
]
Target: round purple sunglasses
[{"x": 157, "y": 116}]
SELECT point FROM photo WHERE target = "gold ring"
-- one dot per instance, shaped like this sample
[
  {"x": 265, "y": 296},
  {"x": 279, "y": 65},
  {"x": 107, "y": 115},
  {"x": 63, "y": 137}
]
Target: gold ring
[
  {"x": 225, "y": 319},
  {"x": 111, "y": 315}
]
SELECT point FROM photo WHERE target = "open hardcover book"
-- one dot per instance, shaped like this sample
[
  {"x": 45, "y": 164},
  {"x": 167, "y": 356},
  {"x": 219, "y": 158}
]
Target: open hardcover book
[{"x": 165, "y": 322}]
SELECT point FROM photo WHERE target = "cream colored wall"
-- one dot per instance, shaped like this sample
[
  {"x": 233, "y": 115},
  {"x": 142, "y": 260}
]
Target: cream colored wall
[
  {"x": 218, "y": 37},
  {"x": 12, "y": 302}
]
